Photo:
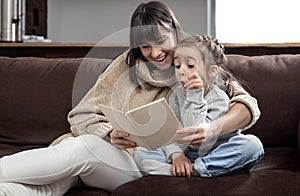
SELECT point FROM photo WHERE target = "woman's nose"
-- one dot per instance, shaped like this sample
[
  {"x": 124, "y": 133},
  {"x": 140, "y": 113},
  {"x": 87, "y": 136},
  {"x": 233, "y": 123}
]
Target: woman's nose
[{"x": 155, "y": 51}]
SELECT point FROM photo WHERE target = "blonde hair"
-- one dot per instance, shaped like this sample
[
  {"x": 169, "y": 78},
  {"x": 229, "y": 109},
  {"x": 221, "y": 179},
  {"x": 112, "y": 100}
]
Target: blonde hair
[{"x": 213, "y": 53}]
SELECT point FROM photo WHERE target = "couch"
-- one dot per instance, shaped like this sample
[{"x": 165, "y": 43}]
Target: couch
[{"x": 37, "y": 93}]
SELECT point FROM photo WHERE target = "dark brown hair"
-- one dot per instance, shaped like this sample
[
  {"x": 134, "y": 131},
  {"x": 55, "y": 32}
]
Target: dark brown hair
[{"x": 144, "y": 27}]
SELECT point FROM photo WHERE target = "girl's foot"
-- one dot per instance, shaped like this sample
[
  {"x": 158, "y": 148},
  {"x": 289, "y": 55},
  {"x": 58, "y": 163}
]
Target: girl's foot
[{"x": 154, "y": 167}]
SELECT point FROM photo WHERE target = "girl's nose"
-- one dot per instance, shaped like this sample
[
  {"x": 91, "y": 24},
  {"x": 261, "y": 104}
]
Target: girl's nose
[{"x": 181, "y": 71}]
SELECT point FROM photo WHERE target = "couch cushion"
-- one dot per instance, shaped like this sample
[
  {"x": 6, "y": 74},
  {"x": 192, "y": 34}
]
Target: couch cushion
[
  {"x": 278, "y": 166},
  {"x": 279, "y": 159},
  {"x": 263, "y": 183},
  {"x": 274, "y": 80},
  {"x": 299, "y": 137},
  {"x": 36, "y": 95},
  {"x": 86, "y": 191}
]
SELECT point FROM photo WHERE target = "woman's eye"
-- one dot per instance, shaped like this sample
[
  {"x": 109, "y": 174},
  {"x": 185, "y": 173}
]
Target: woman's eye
[
  {"x": 145, "y": 46},
  {"x": 161, "y": 41}
]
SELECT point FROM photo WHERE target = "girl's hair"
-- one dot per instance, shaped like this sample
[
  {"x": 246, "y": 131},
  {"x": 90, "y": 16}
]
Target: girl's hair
[
  {"x": 145, "y": 21},
  {"x": 213, "y": 53}
]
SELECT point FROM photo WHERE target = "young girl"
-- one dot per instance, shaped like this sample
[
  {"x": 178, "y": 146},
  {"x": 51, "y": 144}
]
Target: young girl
[{"x": 200, "y": 97}]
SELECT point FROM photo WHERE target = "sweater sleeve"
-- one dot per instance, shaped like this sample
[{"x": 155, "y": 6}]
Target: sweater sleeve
[
  {"x": 194, "y": 109},
  {"x": 172, "y": 148},
  {"x": 242, "y": 96},
  {"x": 86, "y": 117},
  {"x": 198, "y": 109}
]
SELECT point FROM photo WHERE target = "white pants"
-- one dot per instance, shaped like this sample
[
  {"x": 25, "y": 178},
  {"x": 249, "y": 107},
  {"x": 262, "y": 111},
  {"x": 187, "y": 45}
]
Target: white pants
[{"x": 53, "y": 170}]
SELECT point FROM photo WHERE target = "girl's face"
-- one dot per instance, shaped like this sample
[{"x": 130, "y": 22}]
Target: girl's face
[
  {"x": 160, "y": 52},
  {"x": 188, "y": 60}
]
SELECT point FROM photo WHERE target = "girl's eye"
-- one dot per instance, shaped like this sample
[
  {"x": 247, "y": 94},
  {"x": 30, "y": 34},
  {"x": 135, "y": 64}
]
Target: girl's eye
[
  {"x": 177, "y": 66},
  {"x": 191, "y": 66}
]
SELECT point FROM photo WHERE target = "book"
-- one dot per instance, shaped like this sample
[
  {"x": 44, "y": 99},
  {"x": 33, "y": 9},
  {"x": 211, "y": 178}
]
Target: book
[{"x": 151, "y": 126}]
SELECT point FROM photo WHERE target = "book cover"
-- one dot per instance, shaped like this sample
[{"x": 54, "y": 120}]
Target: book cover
[{"x": 151, "y": 126}]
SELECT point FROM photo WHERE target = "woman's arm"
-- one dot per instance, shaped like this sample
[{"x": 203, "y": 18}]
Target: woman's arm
[
  {"x": 86, "y": 117},
  {"x": 238, "y": 117},
  {"x": 247, "y": 105}
]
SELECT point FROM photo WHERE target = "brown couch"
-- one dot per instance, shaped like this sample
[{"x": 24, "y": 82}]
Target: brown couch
[{"x": 37, "y": 93}]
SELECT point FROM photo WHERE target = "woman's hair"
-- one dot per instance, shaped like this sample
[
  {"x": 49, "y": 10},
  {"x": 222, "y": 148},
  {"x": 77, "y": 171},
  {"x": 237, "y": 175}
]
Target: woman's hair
[
  {"x": 145, "y": 21},
  {"x": 213, "y": 53}
]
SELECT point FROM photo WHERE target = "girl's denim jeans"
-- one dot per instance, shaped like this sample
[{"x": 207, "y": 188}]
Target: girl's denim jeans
[{"x": 237, "y": 154}]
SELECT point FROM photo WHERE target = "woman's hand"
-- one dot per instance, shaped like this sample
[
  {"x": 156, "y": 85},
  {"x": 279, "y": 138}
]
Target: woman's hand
[
  {"x": 119, "y": 139},
  {"x": 181, "y": 165},
  {"x": 192, "y": 135},
  {"x": 200, "y": 134}
]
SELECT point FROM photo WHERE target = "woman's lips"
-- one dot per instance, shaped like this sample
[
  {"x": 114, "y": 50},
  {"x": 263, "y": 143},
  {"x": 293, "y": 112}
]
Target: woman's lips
[{"x": 161, "y": 59}]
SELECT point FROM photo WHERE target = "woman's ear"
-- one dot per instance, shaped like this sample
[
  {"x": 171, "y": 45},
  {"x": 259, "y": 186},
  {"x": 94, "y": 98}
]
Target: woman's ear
[{"x": 213, "y": 71}]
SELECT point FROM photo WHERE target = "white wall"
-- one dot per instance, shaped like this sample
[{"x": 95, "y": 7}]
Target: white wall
[
  {"x": 274, "y": 22},
  {"x": 95, "y": 20}
]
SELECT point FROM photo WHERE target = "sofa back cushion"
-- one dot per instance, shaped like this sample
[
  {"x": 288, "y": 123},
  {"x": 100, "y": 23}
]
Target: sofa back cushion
[
  {"x": 274, "y": 80},
  {"x": 299, "y": 137},
  {"x": 36, "y": 95}
]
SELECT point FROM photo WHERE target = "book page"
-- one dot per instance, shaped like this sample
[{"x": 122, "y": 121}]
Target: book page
[
  {"x": 116, "y": 117},
  {"x": 151, "y": 126},
  {"x": 155, "y": 123}
]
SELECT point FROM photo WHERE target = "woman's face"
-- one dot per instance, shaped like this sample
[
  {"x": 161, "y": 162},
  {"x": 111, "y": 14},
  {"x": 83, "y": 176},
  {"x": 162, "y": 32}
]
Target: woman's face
[{"x": 160, "y": 52}]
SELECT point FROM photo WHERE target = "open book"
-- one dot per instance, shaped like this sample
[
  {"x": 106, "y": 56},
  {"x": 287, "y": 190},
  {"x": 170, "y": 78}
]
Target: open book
[{"x": 151, "y": 126}]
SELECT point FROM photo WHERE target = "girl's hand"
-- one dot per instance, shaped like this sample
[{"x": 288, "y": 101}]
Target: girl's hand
[
  {"x": 181, "y": 165},
  {"x": 194, "y": 82},
  {"x": 119, "y": 139}
]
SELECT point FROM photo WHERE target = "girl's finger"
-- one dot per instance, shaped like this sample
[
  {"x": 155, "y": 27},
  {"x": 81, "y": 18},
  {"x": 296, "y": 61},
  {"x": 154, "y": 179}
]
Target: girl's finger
[
  {"x": 195, "y": 85},
  {"x": 189, "y": 170},
  {"x": 194, "y": 76},
  {"x": 194, "y": 81}
]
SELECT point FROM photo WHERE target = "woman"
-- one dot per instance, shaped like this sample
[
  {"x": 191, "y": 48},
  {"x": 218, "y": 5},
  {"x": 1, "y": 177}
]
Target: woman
[{"x": 134, "y": 78}]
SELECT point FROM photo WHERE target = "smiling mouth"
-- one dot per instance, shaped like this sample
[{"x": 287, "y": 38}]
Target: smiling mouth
[{"x": 161, "y": 58}]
